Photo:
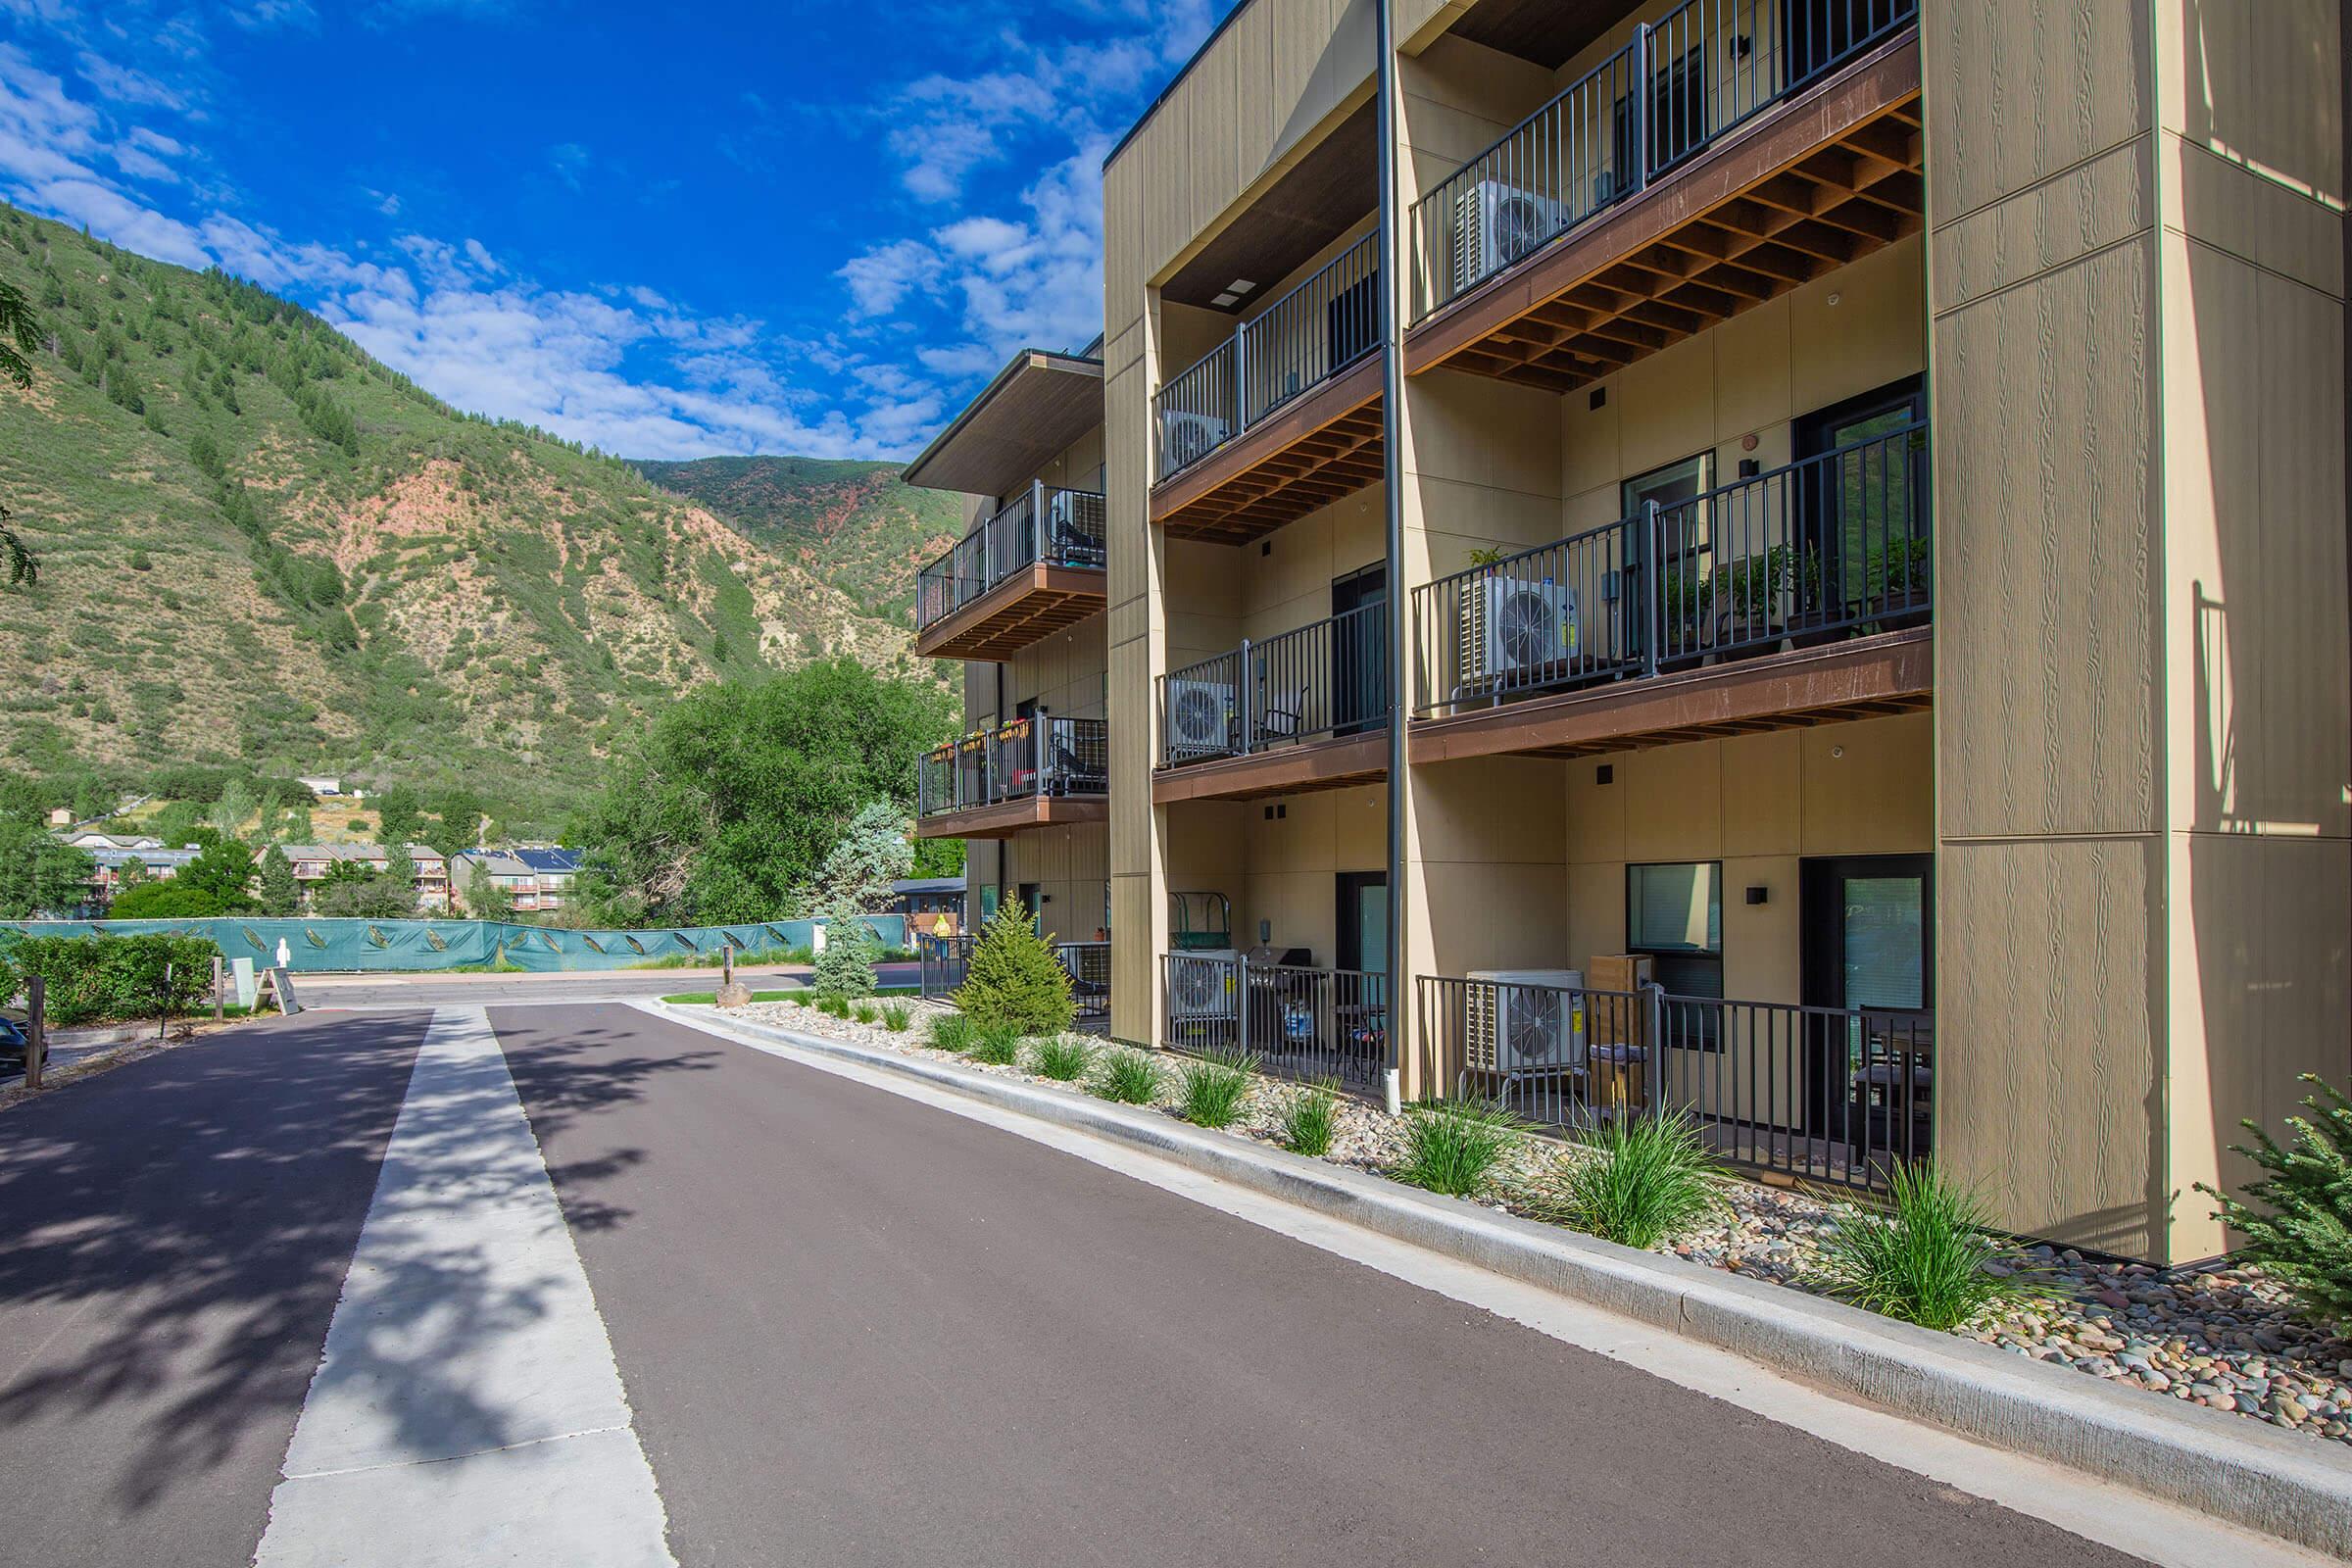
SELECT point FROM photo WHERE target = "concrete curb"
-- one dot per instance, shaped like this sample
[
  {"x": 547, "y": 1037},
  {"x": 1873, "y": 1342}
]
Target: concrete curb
[{"x": 2219, "y": 1464}]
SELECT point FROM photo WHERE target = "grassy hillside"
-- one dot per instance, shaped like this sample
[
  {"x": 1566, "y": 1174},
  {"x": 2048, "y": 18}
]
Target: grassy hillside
[
  {"x": 259, "y": 547},
  {"x": 857, "y": 526}
]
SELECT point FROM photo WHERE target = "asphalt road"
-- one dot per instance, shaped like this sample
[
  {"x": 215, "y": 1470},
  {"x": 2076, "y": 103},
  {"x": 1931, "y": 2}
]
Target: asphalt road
[
  {"x": 371, "y": 991},
  {"x": 852, "y": 1329}
]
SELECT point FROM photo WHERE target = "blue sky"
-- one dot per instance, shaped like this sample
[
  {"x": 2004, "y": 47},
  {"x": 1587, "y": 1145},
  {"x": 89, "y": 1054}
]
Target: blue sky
[{"x": 809, "y": 228}]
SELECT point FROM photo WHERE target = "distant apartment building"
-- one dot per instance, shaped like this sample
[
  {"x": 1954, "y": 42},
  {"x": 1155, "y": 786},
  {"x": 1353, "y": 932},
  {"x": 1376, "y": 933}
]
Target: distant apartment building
[
  {"x": 112, "y": 855},
  {"x": 1785, "y": 563},
  {"x": 314, "y": 864},
  {"x": 534, "y": 879}
]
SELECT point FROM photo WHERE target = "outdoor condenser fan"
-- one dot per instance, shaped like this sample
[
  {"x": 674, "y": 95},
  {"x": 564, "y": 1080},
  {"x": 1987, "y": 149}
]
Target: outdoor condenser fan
[
  {"x": 1200, "y": 718},
  {"x": 1532, "y": 1030},
  {"x": 1527, "y": 628},
  {"x": 1199, "y": 987},
  {"x": 1520, "y": 225}
]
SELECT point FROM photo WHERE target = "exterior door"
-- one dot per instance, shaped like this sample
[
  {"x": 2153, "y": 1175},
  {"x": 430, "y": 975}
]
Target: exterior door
[
  {"x": 1861, "y": 547},
  {"x": 1359, "y": 652},
  {"x": 1868, "y": 944},
  {"x": 1360, "y": 997},
  {"x": 1676, "y": 577}
]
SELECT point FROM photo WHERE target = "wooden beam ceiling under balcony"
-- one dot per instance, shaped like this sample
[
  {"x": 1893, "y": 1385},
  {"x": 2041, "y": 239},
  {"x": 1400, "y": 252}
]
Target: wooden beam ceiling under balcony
[
  {"x": 1033, "y": 603},
  {"x": 1005, "y": 818},
  {"x": 1320, "y": 448},
  {"x": 1869, "y": 678},
  {"x": 1329, "y": 765},
  {"x": 1814, "y": 183}
]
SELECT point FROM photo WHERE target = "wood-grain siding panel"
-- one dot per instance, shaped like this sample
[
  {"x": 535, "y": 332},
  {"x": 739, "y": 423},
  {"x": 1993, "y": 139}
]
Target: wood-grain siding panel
[
  {"x": 2021, "y": 90},
  {"x": 2093, "y": 205}
]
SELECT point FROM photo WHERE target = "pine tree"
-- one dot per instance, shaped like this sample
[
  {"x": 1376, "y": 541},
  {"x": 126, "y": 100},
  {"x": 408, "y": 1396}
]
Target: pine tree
[
  {"x": 2301, "y": 1233},
  {"x": 1016, "y": 980},
  {"x": 846, "y": 968},
  {"x": 281, "y": 895}
]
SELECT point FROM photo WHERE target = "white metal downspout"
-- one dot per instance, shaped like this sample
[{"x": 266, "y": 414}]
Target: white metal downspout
[{"x": 1392, "y": 403}]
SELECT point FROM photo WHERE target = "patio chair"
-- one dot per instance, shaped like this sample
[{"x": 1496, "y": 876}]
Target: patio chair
[{"x": 1284, "y": 715}]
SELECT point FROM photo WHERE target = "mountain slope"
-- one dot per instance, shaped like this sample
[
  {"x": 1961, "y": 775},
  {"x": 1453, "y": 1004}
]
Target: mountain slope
[
  {"x": 258, "y": 544},
  {"x": 856, "y": 525}
]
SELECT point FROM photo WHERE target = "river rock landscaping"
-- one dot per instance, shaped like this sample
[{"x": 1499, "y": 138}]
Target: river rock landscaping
[{"x": 2224, "y": 1338}]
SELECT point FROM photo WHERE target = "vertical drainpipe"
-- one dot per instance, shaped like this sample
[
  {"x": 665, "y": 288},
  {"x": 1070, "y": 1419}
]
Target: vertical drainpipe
[{"x": 1392, "y": 403}]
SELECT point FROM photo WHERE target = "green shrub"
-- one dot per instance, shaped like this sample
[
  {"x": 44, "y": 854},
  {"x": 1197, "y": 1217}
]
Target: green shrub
[
  {"x": 1925, "y": 1262},
  {"x": 894, "y": 1018},
  {"x": 98, "y": 978},
  {"x": 1214, "y": 1090},
  {"x": 833, "y": 1006},
  {"x": 1128, "y": 1076},
  {"x": 997, "y": 1043},
  {"x": 846, "y": 968},
  {"x": 951, "y": 1030},
  {"x": 2301, "y": 1232},
  {"x": 1308, "y": 1118},
  {"x": 1063, "y": 1058},
  {"x": 1452, "y": 1145},
  {"x": 1640, "y": 1181},
  {"x": 866, "y": 1012},
  {"x": 1015, "y": 979}
]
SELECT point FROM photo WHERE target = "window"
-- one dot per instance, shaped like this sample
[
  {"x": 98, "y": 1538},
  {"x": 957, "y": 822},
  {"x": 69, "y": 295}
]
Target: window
[{"x": 1674, "y": 912}]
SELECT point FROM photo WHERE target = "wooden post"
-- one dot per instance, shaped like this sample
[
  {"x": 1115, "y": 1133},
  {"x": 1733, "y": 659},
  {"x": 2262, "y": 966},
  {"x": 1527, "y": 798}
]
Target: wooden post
[
  {"x": 163, "y": 1006},
  {"x": 36, "y": 1034}
]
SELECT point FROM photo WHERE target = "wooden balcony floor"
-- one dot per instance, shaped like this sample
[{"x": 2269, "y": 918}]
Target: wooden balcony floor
[
  {"x": 1866, "y": 677},
  {"x": 1005, "y": 818},
  {"x": 1032, "y": 602},
  {"x": 1325, "y": 764},
  {"x": 1822, "y": 179},
  {"x": 1321, "y": 446}
]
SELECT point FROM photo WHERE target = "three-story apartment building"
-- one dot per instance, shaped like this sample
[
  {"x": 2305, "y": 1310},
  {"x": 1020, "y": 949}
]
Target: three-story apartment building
[{"x": 1780, "y": 558}]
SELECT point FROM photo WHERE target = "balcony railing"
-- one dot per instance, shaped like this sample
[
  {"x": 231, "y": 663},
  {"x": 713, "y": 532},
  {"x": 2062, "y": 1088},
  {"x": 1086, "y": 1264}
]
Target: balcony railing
[
  {"x": 1301, "y": 340},
  {"x": 1057, "y": 527},
  {"x": 947, "y": 959},
  {"x": 1324, "y": 679},
  {"x": 1298, "y": 1022},
  {"x": 1027, "y": 758},
  {"x": 1824, "y": 548},
  {"x": 1832, "y": 1094},
  {"x": 1708, "y": 65}
]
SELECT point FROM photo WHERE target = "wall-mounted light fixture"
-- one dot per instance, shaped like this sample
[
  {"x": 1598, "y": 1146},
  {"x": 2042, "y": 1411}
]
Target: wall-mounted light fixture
[{"x": 1757, "y": 895}]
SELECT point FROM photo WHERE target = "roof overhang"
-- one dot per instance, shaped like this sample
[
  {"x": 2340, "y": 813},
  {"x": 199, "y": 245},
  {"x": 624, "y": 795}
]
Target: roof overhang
[{"x": 1024, "y": 419}]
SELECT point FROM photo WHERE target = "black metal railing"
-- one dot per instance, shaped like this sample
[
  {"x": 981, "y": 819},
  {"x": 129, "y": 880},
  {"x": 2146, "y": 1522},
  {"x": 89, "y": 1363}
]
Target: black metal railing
[
  {"x": 1050, "y": 756},
  {"x": 1699, "y": 71},
  {"x": 1310, "y": 334},
  {"x": 1300, "y": 1022},
  {"x": 947, "y": 959},
  {"x": 1328, "y": 678},
  {"x": 1832, "y": 1094},
  {"x": 1057, "y": 527},
  {"x": 1824, "y": 548}
]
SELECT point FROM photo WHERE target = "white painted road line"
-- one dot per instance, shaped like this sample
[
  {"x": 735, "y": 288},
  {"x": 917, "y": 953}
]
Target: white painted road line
[{"x": 468, "y": 1409}]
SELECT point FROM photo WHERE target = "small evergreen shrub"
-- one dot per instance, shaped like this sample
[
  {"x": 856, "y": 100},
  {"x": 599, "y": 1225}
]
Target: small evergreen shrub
[
  {"x": 893, "y": 1018},
  {"x": 1452, "y": 1145},
  {"x": 1214, "y": 1090},
  {"x": 1925, "y": 1261},
  {"x": 846, "y": 968},
  {"x": 999, "y": 1045},
  {"x": 1308, "y": 1118},
  {"x": 951, "y": 1030},
  {"x": 1128, "y": 1076},
  {"x": 1063, "y": 1058},
  {"x": 1640, "y": 1181},
  {"x": 1015, "y": 979},
  {"x": 2298, "y": 1224}
]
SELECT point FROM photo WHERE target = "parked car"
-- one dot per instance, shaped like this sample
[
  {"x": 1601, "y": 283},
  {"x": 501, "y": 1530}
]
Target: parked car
[{"x": 12, "y": 1044}]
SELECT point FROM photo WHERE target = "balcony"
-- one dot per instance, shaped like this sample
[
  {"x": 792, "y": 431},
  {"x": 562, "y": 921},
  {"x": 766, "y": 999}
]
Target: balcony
[
  {"x": 1035, "y": 567},
  {"x": 1303, "y": 710},
  {"x": 1801, "y": 595},
  {"x": 1298, "y": 1022},
  {"x": 1728, "y": 154},
  {"x": 1826, "y": 1094},
  {"x": 1280, "y": 418},
  {"x": 1031, "y": 772}
]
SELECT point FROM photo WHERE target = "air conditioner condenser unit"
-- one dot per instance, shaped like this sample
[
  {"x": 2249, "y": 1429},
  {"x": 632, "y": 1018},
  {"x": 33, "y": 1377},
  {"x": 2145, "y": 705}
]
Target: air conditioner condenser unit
[
  {"x": 1525, "y": 1023},
  {"x": 1496, "y": 225}
]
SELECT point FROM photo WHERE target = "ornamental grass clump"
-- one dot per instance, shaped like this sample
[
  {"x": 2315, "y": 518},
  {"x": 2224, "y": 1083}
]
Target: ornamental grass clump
[
  {"x": 1309, "y": 1117},
  {"x": 865, "y": 1012},
  {"x": 1924, "y": 1261},
  {"x": 1452, "y": 1145},
  {"x": 1128, "y": 1076},
  {"x": 2298, "y": 1225},
  {"x": 1063, "y": 1058},
  {"x": 1015, "y": 979},
  {"x": 1637, "y": 1181},
  {"x": 951, "y": 1030},
  {"x": 893, "y": 1018},
  {"x": 1214, "y": 1090},
  {"x": 999, "y": 1045}
]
